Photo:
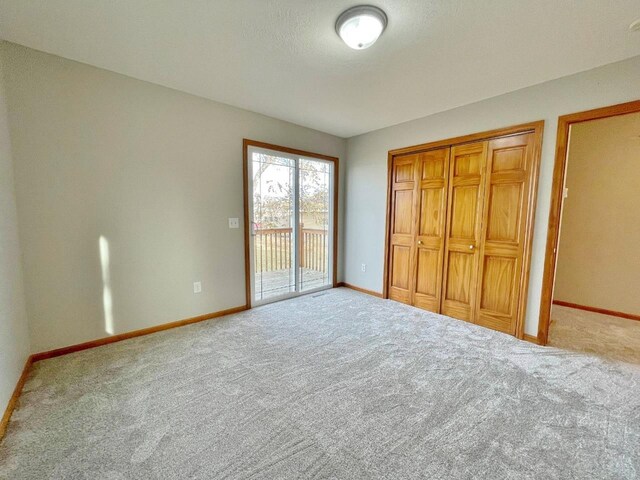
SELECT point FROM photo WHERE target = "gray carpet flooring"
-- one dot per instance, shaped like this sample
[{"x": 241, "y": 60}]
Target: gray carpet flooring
[{"x": 340, "y": 385}]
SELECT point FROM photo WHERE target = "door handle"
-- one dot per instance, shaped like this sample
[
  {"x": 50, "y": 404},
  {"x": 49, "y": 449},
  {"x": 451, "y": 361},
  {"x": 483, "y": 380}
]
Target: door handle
[
  {"x": 419, "y": 242},
  {"x": 471, "y": 247}
]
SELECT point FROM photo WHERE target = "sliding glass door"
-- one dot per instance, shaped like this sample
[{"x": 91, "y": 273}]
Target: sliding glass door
[{"x": 290, "y": 200}]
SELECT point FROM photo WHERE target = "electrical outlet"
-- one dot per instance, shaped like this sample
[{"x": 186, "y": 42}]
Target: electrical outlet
[
  {"x": 364, "y": 267},
  {"x": 234, "y": 223},
  {"x": 197, "y": 287}
]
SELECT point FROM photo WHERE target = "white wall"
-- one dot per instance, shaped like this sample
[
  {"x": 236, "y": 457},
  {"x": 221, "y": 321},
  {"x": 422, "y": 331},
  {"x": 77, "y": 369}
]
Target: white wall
[
  {"x": 154, "y": 171},
  {"x": 14, "y": 332},
  {"x": 367, "y": 165}
]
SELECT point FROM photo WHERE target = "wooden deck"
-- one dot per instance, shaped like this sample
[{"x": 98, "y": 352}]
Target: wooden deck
[{"x": 278, "y": 282}]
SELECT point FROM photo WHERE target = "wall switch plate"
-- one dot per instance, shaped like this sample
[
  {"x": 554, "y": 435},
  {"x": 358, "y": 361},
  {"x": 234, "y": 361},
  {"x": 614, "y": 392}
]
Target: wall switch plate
[
  {"x": 234, "y": 223},
  {"x": 565, "y": 193},
  {"x": 197, "y": 287},
  {"x": 363, "y": 267}
]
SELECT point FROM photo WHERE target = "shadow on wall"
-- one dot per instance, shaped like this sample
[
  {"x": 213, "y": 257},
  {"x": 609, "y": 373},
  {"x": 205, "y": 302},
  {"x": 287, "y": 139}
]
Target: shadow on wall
[{"x": 107, "y": 301}]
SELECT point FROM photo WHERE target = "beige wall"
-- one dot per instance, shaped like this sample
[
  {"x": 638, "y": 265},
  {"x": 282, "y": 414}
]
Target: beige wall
[
  {"x": 367, "y": 161},
  {"x": 154, "y": 171},
  {"x": 14, "y": 332},
  {"x": 598, "y": 256}
]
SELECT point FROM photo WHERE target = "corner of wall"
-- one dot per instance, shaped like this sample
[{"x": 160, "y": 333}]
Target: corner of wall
[{"x": 14, "y": 330}]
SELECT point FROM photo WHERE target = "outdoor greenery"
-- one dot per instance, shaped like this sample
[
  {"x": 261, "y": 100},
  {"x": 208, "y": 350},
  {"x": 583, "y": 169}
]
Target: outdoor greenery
[{"x": 273, "y": 201}]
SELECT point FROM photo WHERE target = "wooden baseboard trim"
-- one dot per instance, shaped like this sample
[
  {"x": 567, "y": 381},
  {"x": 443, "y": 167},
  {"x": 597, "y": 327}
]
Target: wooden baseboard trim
[
  {"x": 604, "y": 311},
  {"x": 532, "y": 339},
  {"x": 359, "y": 289},
  {"x": 135, "y": 333},
  {"x": 4, "y": 423},
  {"x": 36, "y": 357}
]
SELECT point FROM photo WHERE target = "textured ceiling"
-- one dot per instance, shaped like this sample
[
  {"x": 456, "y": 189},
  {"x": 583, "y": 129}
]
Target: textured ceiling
[{"x": 283, "y": 58}]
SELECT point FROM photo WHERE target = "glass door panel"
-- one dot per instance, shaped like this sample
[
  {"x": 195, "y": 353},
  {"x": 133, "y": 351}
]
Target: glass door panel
[
  {"x": 273, "y": 218},
  {"x": 315, "y": 214},
  {"x": 291, "y": 224}
]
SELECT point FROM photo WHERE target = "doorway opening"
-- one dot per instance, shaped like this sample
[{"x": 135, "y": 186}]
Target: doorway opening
[
  {"x": 590, "y": 300},
  {"x": 290, "y": 222}
]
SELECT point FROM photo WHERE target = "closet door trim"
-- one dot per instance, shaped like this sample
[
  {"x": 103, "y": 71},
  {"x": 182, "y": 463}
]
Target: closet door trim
[
  {"x": 536, "y": 128},
  {"x": 471, "y": 138}
]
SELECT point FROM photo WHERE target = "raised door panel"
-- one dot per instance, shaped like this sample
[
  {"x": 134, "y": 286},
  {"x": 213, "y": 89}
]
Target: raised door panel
[
  {"x": 460, "y": 266},
  {"x": 497, "y": 279},
  {"x": 427, "y": 272},
  {"x": 400, "y": 259},
  {"x": 464, "y": 215},
  {"x": 432, "y": 211},
  {"x": 433, "y": 168},
  {"x": 403, "y": 170},
  {"x": 463, "y": 229},
  {"x": 505, "y": 212},
  {"x": 402, "y": 221},
  {"x": 403, "y": 215},
  {"x": 508, "y": 183}
]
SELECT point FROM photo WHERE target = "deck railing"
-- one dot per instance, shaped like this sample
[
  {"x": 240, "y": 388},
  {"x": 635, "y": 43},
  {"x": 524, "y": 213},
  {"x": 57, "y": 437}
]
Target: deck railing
[
  {"x": 313, "y": 249},
  {"x": 273, "y": 249}
]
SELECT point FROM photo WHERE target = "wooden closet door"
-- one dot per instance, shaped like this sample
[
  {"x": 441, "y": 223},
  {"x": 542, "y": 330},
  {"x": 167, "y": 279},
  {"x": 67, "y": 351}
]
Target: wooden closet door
[
  {"x": 464, "y": 219},
  {"x": 402, "y": 229},
  {"x": 508, "y": 185},
  {"x": 433, "y": 172}
]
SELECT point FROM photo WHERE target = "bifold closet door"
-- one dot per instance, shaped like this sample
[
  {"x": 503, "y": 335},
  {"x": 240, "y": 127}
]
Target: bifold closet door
[
  {"x": 432, "y": 171},
  {"x": 460, "y": 220},
  {"x": 402, "y": 227},
  {"x": 508, "y": 184},
  {"x": 463, "y": 230}
]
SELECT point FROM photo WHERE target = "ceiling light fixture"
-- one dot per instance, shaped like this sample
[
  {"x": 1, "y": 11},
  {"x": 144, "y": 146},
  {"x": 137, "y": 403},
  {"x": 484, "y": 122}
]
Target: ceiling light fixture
[
  {"x": 635, "y": 26},
  {"x": 359, "y": 27}
]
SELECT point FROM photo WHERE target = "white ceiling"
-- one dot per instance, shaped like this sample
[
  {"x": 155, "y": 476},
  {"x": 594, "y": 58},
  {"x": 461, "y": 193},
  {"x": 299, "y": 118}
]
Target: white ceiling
[{"x": 283, "y": 58}]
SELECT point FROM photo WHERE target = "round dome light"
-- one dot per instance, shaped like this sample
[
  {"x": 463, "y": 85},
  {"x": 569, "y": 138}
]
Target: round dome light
[{"x": 360, "y": 27}]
